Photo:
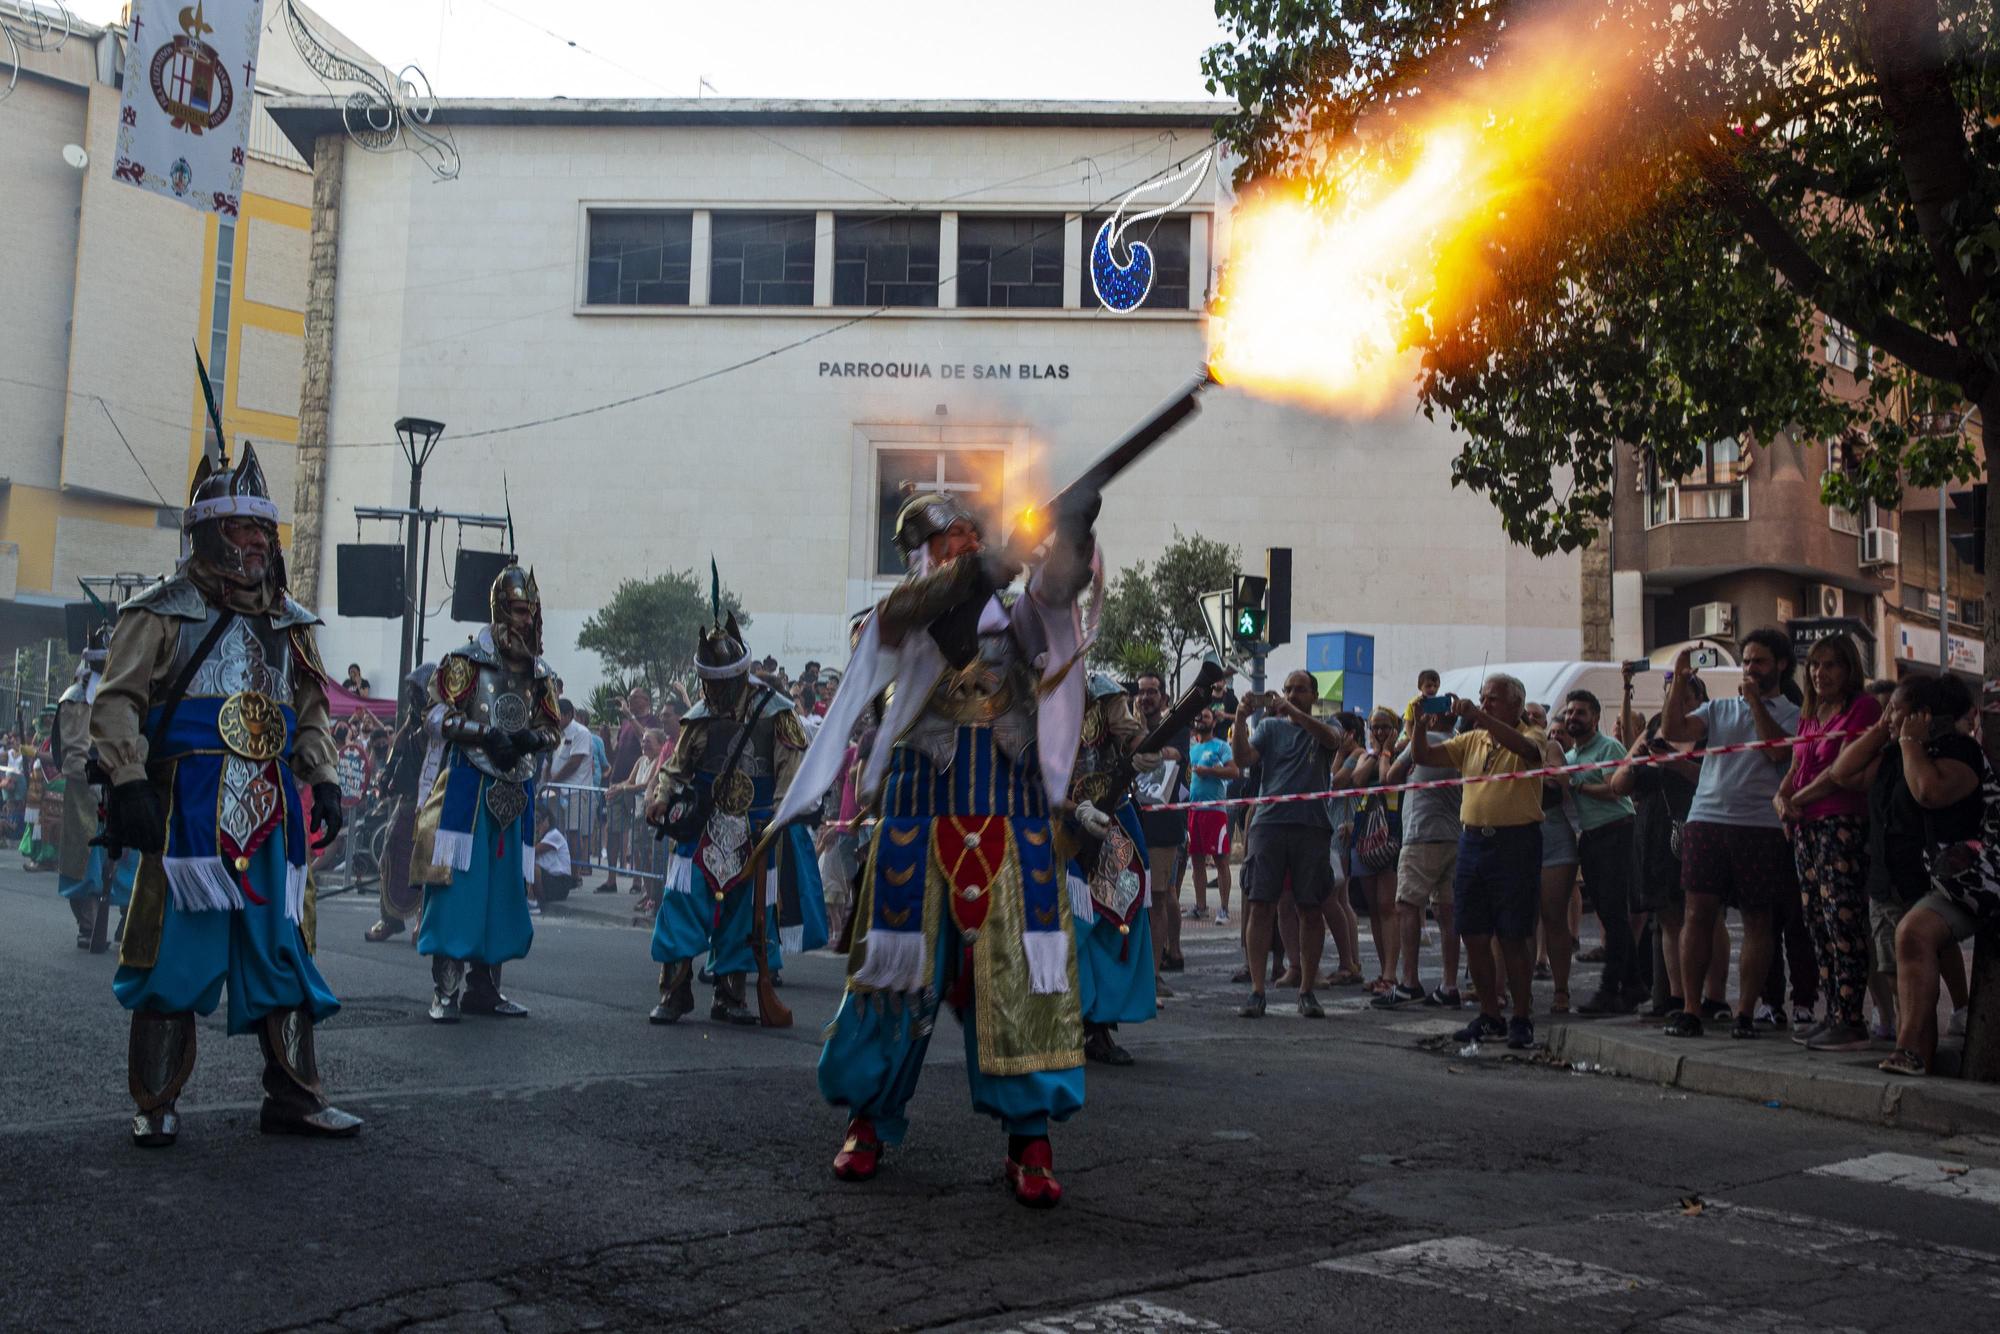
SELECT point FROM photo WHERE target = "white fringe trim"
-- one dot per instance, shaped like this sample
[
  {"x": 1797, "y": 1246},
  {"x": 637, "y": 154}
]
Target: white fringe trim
[
  {"x": 202, "y": 884},
  {"x": 792, "y": 939},
  {"x": 680, "y": 874},
  {"x": 295, "y": 892},
  {"x": 894, "y": 961},
  {"x": 1048, "y": 961},
  {"x": 452, "y": 849},
  {"x": 1081, "y": 905},
  {"x": 771, "y": 887}
]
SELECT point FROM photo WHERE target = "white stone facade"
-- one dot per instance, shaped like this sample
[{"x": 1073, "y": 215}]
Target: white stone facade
[{"x": 465, "y": 302}]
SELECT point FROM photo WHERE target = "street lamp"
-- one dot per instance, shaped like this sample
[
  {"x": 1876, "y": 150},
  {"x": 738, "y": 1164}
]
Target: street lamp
[{"x": 419, "y": 436}]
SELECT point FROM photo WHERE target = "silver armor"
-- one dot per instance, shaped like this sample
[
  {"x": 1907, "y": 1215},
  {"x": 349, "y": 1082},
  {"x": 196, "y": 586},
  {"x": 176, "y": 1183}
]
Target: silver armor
[
  {"x": 996, "y": 689},
  {"x": 502, "y": 700}
]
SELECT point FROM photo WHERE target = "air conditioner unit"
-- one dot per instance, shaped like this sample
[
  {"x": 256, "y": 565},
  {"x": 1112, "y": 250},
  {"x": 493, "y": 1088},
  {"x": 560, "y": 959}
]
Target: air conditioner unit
[
  {"x": 1712, "y": 620},
  {"x": 1825, "y": 600},
  {"x": 1880, "y": 546}
]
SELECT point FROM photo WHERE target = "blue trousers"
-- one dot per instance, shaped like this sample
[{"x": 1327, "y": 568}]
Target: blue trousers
[
  {"x": 874, "y": 1054},
  {"x": 1116, "y": 990},
  {"x": 92, "y": 884},
  {"x": 482, "y": 915},
  {"x": 256, "y": 950}
]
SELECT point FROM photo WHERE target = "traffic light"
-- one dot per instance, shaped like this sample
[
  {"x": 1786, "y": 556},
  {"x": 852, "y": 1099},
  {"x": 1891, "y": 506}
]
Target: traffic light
[
  {"x": 1971, "y": 506},
  {"x": 1249, "y": 615},
  {"x": 1278, "y": 595}
]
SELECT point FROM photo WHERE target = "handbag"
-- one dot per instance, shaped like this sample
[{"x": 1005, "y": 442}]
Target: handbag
[
  {"x": 689, "y": 811},
  {"x": 1378, "y": 845}
]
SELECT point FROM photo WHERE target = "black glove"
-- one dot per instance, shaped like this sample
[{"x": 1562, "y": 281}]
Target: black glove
[
  {"x": 500, "y": 748},
  {"x": 136, "y": 816},
  {"x": 1077, "y": 512},
  {"x": 326, "y": 812}
]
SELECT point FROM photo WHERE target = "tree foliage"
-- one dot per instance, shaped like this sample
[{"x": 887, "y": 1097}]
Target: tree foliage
[
  {"x": 649, "y": 627},
  {"x": 1769, "y": 160},
  {"x": 1152, "y": 611}
]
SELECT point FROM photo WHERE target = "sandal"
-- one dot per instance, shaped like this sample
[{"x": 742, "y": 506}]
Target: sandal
[
  {"x": 1560, "y": 1005},
  {"x": 1683, "y": 1025},
  {"x": 1344, "y": 977},
  {"x": 1903, "y": 1061},
  {"x": 1381, "y": 986}
]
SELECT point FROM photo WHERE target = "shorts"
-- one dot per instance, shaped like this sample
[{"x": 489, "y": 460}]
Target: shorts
[
  {"x": 1294, "y": 852},
  {"x": 1749, "y": 867},
  {"x": 1956, "y": 915},
  {"x": 1884, "y": 916},
  {"x": 1497, "y": 886},
  {"x": 1208, "y": 833},
  {"x": 1559, "y": 840},
  {"x": 1424, "y": 874}
]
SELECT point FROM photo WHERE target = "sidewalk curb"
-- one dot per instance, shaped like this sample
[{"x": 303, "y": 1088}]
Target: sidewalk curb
[{"x": 1941, "y": 1106}]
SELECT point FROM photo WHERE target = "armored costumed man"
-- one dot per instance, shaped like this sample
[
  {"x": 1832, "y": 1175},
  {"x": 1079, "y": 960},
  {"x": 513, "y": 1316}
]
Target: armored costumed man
[
  {"x": 962, "y": 897},
  {"x": 413, "y": 764},
  {"x": 476, "y": 831},
  {"x": 738, "y": 750},
  {"x": 210, "y": 718},
  {"x": 1107, "y": 876},
  {"x": 85, "y": 873}
]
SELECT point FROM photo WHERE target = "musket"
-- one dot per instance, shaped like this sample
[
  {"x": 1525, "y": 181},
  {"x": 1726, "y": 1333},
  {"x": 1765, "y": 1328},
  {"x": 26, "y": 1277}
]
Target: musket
[
  {"x": 1192, "y": 701},
  {"x": 771, "y": 1012}
]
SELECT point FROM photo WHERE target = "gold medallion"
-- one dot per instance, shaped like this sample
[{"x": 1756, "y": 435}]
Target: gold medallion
[
  {"x": 252, "y": 726},
  {"x": 734, "y": 795}
]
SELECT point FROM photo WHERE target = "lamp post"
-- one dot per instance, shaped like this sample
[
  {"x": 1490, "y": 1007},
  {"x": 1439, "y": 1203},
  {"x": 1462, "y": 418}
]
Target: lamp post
[{"x": 419, "y": 437}]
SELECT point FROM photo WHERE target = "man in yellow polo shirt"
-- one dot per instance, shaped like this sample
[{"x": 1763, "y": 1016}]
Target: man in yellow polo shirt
[{"x": 1498, "y": 881}]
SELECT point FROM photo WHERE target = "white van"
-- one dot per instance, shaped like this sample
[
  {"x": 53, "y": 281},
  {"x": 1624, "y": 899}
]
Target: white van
[{"x": 1550, "y": 682}]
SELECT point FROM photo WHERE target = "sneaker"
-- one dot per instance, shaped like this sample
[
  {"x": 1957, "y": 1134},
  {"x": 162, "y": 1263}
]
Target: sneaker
[
  {"x": 1603, "y": 1002},
  {"x": 1839, "y": 1037},
  {"x": 1882, "y": 1032},
  {"x": 1956, "y": 1028},
  {"x": 1254, "y": 1007},
  {"x": 1520, "y": 1033},
  {"x": 1195, "y": 915},
  {"x": 1396, "y": 997},
  {"x": 1804, "y": 1033},
  {"x": 1768, "y": 1017},
  {"x": 1441, "y": 999},
  {"x": 1482, "y": 1027},
  {"x": 534, "y": 908},
  {"x": 1309, "y": 1006},
  {"x": 1717, "y": 1012},
  {"x": 1802, "y": 1017},
  {"x": 1222, "y": 918}
]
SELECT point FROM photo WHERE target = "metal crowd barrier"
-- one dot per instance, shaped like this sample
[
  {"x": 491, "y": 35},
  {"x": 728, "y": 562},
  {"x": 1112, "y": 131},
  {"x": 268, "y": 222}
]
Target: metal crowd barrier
[{"x": 606, "y": 831}]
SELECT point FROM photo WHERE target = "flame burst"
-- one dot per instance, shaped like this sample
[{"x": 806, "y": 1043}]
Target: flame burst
[{"x": 1330, "y": 283}]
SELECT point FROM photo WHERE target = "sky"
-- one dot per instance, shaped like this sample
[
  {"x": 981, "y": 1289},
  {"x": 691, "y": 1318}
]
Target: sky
[{"x": 781, "y": 48}]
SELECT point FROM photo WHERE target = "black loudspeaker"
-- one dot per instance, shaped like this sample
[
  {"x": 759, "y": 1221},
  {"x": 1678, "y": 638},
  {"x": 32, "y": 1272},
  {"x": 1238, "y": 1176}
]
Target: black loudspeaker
[
  {"x": 472, "y": 583},
  {"x": 368, "y": 579},
  {"x": 1278, "y": 595},
  {"x": 78, "y": 617}
]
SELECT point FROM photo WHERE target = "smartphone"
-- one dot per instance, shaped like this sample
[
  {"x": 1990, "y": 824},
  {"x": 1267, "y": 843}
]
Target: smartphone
[
  {"x": 1435, "y": 704},
  {"x": 1637, "y": 667},
  {"x": 1704, "y": 658}
]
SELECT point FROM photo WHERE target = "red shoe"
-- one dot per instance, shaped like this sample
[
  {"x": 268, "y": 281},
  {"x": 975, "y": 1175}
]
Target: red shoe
[
  {"x": 861, "y": 1154},
  {"x": 1031, "y": 1179}
]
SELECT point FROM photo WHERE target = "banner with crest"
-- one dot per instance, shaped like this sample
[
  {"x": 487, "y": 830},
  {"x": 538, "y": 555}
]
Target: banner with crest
[{"x": 184, "y": 124}]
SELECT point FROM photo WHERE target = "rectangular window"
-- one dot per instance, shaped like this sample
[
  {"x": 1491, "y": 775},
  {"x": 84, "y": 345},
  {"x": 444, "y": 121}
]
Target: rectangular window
[
  {"x": 639, "y": 259},
  {"x": 1010, "y": 262},
  {"x": 974, "y": 477},
  {"x": 1718, "y": 488},
  {"x": 885, "y": 260},
  {"x": 1843, "y": 348},
  {"x": 760, "y": 259},
  {"x": 218, "y": 319},
  {"x": 1972, "y": 611},
  {"x": 1167, "y": 239}
]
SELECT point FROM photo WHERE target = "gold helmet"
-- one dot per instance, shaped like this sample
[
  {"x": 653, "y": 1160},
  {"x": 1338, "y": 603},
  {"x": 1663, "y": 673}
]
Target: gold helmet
[{"x": 515, "y": 584}]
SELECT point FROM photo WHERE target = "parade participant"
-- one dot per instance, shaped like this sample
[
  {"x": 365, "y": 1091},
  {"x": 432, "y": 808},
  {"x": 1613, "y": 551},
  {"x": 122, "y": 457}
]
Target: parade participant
[
  {"x": 962, "y": 880},
  {"x": 1108, "y": 900},
  {"x": 412, "y": 768},
  {"x": 713, "y": 798},
  {"x": 210, "y": 717},
  {"x": 85, "y": 873},
  {"x": 476, "y": 830}
]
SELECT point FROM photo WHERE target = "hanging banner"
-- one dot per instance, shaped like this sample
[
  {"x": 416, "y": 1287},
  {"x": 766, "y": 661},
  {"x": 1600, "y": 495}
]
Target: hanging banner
[{"x": 184, "y": 125}]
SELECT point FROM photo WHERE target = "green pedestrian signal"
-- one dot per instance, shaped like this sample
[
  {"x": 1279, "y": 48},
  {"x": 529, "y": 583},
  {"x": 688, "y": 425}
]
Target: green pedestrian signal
[{"x": 1250, "y": 623}]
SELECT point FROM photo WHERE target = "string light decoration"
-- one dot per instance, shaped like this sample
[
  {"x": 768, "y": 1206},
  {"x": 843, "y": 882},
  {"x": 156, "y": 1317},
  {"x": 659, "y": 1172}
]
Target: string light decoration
[
  {"x": 379, "y": 118},
  {"x": 32, "y": 28},
  {"x": 1123, "y": 286}
]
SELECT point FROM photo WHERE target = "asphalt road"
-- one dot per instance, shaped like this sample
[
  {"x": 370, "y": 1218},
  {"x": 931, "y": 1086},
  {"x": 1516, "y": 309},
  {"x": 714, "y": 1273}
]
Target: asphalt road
[{"x": 584, "y": 1170}]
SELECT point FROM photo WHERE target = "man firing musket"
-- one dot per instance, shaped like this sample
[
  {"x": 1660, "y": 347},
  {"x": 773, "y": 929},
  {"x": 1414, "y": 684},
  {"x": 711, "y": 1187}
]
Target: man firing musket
[{"x": 963, "y": 879}]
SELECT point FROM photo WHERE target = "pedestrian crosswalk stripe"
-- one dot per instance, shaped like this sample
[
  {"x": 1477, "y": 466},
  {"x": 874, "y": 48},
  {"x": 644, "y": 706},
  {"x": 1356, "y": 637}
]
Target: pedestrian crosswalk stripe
[
  {"x": 1132, "y": 1316},
  {"x": 1930, "y": 1176},
  {"x": 1745, "y": 1320},
  {"x": 1510, "y": 1275}
]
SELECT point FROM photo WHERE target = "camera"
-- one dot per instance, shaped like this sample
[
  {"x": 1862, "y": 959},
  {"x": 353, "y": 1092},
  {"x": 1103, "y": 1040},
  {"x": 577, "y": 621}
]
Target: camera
[{"x": 1436, "y": 704}]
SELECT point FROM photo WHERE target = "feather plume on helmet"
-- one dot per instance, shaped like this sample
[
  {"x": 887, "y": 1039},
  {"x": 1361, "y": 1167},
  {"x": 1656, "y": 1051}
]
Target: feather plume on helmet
[
  {"x": 721, "y": 657},
  {"x": 514, "y": 584}
]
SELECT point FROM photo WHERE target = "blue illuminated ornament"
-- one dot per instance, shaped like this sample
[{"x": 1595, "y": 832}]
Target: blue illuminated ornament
[{"x": 1123, "y": 286}]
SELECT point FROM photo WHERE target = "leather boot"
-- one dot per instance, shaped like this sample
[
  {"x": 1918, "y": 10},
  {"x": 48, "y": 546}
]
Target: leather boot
[
  {"x": 85, "y": 912},
  {"x": 293, "y": 1102},
  {"x": 676, "y": 992},
  {"x": 482, "y": 993},
  {"x": 1099, "y": 1045},
  {"x": 729, "y": 1006},
  {"x": 447, "y": 980},
  {"x": 159, "y": 1059}
]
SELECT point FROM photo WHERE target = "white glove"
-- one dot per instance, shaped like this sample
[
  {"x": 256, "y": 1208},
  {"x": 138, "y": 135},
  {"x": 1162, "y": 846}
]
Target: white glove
[{"x": 1095, "y": 822}]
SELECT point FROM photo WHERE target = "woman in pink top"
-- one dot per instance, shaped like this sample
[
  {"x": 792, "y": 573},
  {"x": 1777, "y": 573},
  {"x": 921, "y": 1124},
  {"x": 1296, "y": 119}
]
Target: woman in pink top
[{"x": 1830, "y": 838}]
